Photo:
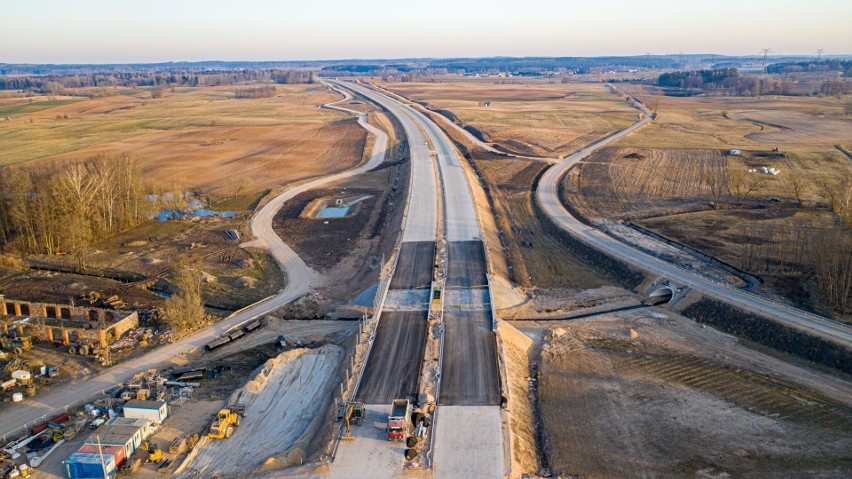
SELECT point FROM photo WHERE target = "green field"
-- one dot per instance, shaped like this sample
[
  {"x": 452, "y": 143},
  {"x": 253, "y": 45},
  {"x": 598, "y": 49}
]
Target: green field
[{"x": 33, "y": 107}]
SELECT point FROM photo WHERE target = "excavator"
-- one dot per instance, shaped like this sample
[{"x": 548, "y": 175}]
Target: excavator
[
  {"x": 353, "y": 412},
  {"x": 154, "y": 452}
]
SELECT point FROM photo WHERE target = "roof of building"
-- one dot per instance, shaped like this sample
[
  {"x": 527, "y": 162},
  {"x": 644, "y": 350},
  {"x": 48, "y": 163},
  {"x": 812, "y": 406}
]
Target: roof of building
[
  {"x": 135, "y": 403},
  {"x": 129, "y": 421},
  {"x": 113, "y": 434}
]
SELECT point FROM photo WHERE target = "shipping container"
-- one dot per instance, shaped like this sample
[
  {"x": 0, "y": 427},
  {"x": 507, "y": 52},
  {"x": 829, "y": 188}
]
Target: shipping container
[
  {"x": 117, "y": 452},
  {"x": 89, "y": 466}
]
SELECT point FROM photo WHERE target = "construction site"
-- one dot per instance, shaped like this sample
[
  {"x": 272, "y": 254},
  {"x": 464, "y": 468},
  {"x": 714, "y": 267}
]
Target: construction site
[{"x": 431, "y": 306}]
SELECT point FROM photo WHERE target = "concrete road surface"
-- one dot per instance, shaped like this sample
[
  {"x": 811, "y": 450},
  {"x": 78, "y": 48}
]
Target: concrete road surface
[
  {"x": 472, "y": 452},
  {"x": 548, "y": 197},
  {"x": 300, "y": 279},
  {"x": 370, "y": 455},
  {"x": 422, "y": 218}
]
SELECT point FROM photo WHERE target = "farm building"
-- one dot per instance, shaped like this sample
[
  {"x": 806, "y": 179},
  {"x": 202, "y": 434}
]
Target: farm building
[{"x": 63, "y": 323}]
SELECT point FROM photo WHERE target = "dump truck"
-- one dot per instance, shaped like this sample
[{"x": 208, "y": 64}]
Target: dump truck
[
  {"x": 226, "y": 420},
  {"x": 399, "y": 420}
]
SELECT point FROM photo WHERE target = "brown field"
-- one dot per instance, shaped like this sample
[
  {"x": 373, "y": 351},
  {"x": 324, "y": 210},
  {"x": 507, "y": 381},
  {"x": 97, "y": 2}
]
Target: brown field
[
  {"x": 531, "y": 117},
  {"x": 728, "y": 122},
  {"x": 198, "y": 138},
  {"x": 662, "y": 177},
  {"x": 775, "y": 244},
  {"x": 622, "y": 183},
  {"x": 536, "y": 257},
  {"x": 679, "y": 400}
]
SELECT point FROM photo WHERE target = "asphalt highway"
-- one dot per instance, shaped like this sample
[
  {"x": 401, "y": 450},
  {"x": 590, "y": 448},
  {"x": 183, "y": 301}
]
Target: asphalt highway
[{"x": 394, "y": 364}]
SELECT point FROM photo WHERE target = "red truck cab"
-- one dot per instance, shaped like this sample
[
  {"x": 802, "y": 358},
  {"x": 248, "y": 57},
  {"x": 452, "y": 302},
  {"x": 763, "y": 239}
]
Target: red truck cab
[{"x": 399, "y": 420}]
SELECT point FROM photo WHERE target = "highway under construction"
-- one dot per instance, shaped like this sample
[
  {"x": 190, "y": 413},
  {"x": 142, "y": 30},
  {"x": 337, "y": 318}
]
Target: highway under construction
[{"x": 469, "y": 376}]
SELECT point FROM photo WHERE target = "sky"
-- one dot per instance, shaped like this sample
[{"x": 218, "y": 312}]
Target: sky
[{"x": 121, "y": 31}]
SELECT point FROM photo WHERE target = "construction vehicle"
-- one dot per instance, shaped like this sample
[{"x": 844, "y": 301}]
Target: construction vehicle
[
  {"x": 399, "y": 420},
  {"x": 280, "y": 344},
  {"x": 226, "y": 420},
  {"x": 353, "y": 412},
  {"x": 17, "y": 344},
  {"x": 85, "y": 347},
  {"x": 154, "y": 452}
]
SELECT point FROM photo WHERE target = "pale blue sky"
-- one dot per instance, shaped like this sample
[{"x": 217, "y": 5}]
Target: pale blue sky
[{"x": 106, "y": 31}]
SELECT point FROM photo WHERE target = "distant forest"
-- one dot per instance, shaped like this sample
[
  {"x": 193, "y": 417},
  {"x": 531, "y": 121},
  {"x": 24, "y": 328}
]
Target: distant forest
[
  {"x": 829, "y": 65},
  {"x": 55, "y": 84},
  {"x": 728, "y": 81}
]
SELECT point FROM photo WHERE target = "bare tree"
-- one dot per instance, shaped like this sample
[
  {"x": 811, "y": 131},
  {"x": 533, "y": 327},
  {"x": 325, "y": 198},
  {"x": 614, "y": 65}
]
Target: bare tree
[
  {"x": 717, "y": 184},
  {"x": 184, "y": 310},
  {"x": 798, "y": 186},
  {"x": 741, "y": 184}
]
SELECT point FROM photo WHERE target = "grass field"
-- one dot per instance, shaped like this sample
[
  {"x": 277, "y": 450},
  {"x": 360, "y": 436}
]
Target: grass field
[
  {"x": 21, "y": 108},
  {"x": 194, "y": 137},
  {"x": 532, "y": 117}
]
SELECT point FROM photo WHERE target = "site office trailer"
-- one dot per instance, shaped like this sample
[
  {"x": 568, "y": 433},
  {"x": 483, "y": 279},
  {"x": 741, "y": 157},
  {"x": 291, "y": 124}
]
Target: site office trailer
[{"x": 156, "y": 411}]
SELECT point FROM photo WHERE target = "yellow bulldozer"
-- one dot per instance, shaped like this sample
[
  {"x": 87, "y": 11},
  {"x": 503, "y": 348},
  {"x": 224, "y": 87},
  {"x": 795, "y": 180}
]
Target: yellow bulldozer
[{"x": 226, "y": 420}]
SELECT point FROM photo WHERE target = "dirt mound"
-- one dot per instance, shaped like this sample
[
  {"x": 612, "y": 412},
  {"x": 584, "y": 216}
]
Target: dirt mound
[{"x": 284, "y": 401}]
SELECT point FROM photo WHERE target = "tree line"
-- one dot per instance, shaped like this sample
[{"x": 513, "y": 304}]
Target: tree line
[
  {"x": 267, "y": 91},
  {"x": 728, "y": 81},
  {"x": 63, "y": 209},
  {"x": 56, "y": 84},
  {"x": 827, "y": 65},
  {"x": 696, "y": 79}
]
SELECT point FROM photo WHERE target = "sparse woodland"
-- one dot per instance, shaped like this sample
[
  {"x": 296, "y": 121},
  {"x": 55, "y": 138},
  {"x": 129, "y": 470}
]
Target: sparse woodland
[{"x": 66, "y": 208}]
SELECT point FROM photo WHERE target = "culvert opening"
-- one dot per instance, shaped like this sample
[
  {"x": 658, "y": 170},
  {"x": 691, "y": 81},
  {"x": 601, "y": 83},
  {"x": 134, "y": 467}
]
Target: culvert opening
[{"x": 661, "y": 296}]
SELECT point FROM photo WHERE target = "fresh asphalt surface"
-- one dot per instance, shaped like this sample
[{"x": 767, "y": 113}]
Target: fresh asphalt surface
[
  {"x": 415, "y": 265},
  {"x": 469, "y": 373},
  {"x": 465, "y": 264},
  {"x": 394, "y": 365}
]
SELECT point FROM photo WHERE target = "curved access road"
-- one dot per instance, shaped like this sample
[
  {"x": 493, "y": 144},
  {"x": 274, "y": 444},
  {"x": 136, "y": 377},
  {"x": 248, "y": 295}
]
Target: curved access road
[
  {"x": 547, "y": 196},
  {"x": 300, "y": 280}
]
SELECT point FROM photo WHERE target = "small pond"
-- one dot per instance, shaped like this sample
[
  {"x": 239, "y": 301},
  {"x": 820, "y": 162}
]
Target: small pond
[{"x": 334, "y": 212}]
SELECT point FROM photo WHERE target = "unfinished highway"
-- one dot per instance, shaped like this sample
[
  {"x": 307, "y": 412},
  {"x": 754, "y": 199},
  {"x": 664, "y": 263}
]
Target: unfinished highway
[{"x": 469, "y": 391}]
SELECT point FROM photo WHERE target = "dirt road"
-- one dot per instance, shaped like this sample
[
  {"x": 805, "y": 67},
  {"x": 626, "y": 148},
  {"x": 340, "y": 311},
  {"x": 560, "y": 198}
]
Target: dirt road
[{"x": 547, "y": 196}]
